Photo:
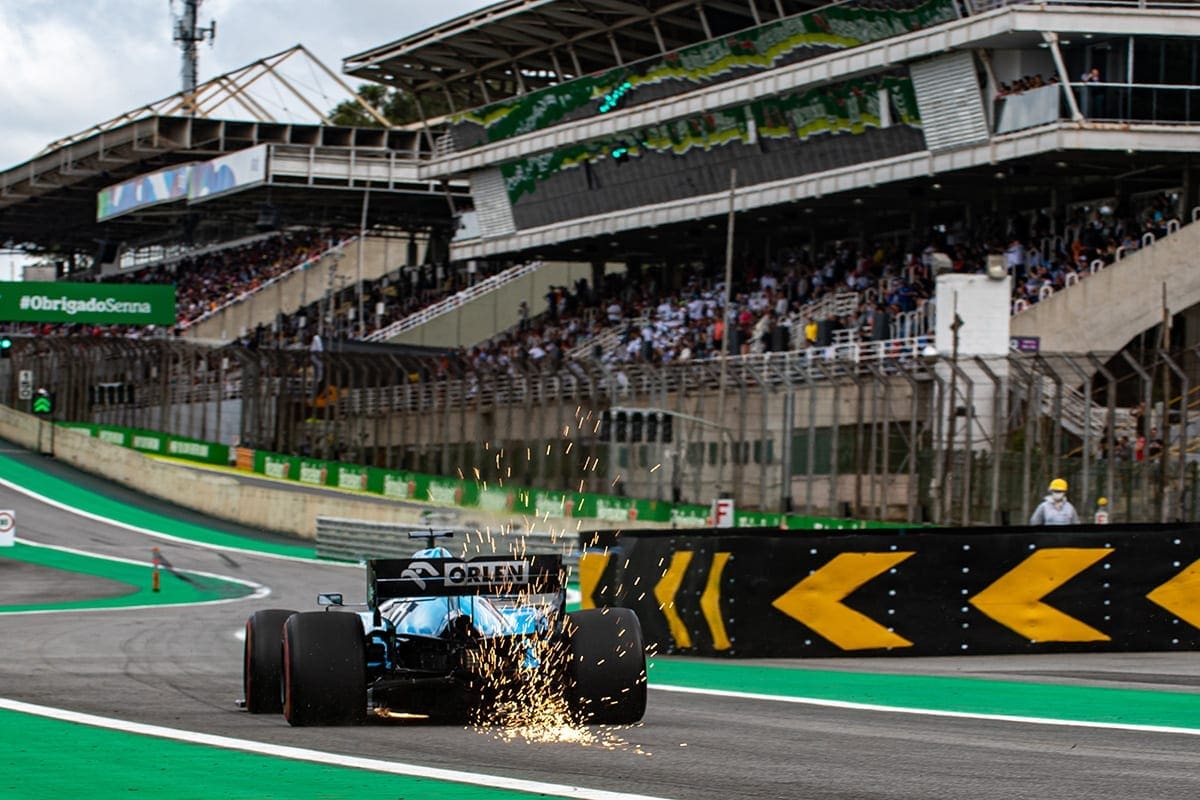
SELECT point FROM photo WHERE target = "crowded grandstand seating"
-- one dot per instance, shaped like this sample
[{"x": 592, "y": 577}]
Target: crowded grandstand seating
[
  {"x": 219, "y": 278},
  {"x": 851, "y": 298},
  {"x": 836, "y": 298}
]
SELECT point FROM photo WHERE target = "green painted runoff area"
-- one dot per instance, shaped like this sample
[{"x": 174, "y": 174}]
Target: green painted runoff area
[
  {"x": 968, "y": 695},
  {"x": 137, "y": 766},
  {"x": 174, "y": 588},
  {"x": 84, "y": 499}
]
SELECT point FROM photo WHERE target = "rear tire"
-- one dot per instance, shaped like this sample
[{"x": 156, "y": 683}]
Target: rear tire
[
  {"x": 262, "y": 661},
  {"x": 324, "y": 669},
  {"x": 607, "y": 673}
]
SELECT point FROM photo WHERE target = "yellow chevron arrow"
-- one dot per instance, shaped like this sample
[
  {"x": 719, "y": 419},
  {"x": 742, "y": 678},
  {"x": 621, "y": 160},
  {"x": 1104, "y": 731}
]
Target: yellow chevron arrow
[
  {"x": 1181, "y": 595},
  {"x": 710, "y": 602},
  {"x": 1015, "y": 600},
  {"x": 665, "y": 591},
  {"x": 816, "y": 601},
  {"x": 591, "y": 568}
]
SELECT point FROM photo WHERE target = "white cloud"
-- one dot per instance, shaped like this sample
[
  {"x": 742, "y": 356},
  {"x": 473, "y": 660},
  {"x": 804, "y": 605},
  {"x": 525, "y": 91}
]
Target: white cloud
[{"x": 66, "y": 66}]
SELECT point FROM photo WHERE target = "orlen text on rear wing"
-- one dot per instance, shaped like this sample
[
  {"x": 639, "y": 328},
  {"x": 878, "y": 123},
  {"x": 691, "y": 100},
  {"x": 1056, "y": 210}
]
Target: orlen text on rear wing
[{"x": 436, "y": 577}]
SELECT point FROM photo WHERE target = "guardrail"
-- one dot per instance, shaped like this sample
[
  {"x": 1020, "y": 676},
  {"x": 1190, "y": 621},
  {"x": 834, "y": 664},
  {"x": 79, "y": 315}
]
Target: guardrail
[
  {"x": 983, "y": 6},
  {"x": 545, "y": 384},
  {"x": 453, "y": 302},
  {"x": 1147, "y": 240},
  {"x": 358, "y": 540}
]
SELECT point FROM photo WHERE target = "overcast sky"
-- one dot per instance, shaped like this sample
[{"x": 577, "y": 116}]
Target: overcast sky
[{"x": 67, "y": 65}]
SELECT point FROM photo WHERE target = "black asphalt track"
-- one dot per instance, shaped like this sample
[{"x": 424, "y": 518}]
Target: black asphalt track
[{"x": 181, "y": 667}]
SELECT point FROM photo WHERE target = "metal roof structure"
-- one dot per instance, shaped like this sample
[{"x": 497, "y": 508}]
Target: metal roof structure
[
  {"x": 516, "y": 46},
  {"x": 48, "y": 203}
]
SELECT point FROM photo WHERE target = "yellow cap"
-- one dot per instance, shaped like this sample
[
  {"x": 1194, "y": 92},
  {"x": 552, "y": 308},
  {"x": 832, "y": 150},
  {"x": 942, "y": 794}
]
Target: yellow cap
[
  {"x": 1058, "y": 485},
  {"x": 1103, "y": 501}
]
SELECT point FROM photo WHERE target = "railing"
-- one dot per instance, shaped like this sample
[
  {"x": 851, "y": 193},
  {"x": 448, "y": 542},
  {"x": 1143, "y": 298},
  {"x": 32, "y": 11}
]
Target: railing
[
  {"x": 983, "y": 6},
  {"x": 453, "y": 302},
  {"x": 1148, "y": 240},
  {"x": 1075, "y": 415},
  {"x": 1138, "y": 102},
  {"x": 579, "y": 379},
  {"x": 608, "y": 339},
  {"x": 358, "y": 540}
]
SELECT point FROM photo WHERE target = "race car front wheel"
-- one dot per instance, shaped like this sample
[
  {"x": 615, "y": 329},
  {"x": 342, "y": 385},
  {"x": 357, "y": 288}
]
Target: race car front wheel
[
  {"x": 262, "y": 661},
  {"x": 324, "y": 669},
  {"x": 607, "y": 674}
]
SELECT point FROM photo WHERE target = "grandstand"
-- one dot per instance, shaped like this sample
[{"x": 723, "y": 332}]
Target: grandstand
[{"x": 834, "y": 158}]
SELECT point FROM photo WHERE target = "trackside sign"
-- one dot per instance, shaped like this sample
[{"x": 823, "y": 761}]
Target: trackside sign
[{"x": 93, "y": 303}]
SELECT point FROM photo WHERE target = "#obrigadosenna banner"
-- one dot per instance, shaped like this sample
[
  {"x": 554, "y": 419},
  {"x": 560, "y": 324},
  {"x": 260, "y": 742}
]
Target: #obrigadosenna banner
[{"x": 92, "y": 303}]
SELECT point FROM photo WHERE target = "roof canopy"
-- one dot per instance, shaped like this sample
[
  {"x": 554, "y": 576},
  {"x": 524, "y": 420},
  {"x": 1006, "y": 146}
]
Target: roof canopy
[{"x": 515, "y": 46}]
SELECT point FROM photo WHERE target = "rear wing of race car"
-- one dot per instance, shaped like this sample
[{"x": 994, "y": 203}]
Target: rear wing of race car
[{"x": 436, "y": 577}]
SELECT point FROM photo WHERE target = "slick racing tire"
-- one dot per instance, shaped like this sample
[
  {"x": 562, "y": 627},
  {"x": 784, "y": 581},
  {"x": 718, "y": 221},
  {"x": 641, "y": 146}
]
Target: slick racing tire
[
  {"x": 324, "y": 669},
  {"x": 262, "y": 661},
  {"x": 607, "y": 672}
]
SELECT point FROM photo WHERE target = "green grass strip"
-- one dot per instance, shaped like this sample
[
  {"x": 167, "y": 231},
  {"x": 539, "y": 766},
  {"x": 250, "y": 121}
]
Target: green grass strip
[
  {"x": 141, "y": 766},
  {"x": 968, "y": 695},
  {"x": 92, "y": 502},
  {"x": 138, "y": 579}
]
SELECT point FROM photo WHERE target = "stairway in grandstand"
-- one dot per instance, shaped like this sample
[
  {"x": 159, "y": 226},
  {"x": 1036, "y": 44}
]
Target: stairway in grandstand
[
  {"x": 300, "y": 286},
  {"x": 1108, "y": 308},
  {"x": 479, "y": 312},
  {"x": 1105, "y": 311}
]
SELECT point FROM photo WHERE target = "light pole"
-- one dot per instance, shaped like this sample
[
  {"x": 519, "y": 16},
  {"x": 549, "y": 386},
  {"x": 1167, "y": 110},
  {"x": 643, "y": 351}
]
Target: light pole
[{"x": 726, "y": 331}]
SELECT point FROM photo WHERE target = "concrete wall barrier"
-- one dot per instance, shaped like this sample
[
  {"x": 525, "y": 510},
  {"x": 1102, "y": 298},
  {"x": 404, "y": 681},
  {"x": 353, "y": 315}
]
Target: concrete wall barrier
[{"x": 221, "y": 496}]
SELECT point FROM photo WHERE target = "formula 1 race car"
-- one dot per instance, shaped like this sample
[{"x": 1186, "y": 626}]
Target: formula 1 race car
[{"x": 441, "y": 636}]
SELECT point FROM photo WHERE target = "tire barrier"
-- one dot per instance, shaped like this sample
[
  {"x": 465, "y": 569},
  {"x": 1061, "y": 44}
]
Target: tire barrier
[{"x": 917, "y": 592}]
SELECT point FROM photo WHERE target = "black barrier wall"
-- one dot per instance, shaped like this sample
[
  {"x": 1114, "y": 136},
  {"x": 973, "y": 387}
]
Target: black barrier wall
[{"x": 915, "y": 592}]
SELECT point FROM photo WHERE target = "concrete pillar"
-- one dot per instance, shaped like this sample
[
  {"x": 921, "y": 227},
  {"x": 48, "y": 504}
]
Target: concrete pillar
[
  {"x": 982, "y": 306},
  {"x": 597, "y": 274}
]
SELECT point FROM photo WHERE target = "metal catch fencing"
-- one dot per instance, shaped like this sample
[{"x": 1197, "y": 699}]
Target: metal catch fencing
[{"x": 884, "y": 433}]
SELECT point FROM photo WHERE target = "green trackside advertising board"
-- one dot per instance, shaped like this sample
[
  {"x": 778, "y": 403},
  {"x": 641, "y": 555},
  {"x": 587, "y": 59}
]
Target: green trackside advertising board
[
  {"x": 92, "y": 303},
  {"x": 162, "y": 444},
  {"x": 400, "y": 485},
  {"x": 540, "y": 503},
  {"x": 195, "y": 450}
]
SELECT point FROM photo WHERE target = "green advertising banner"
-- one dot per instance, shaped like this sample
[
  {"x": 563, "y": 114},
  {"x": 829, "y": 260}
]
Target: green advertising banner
[
  {"x": 93, "y": 303},
  {"x": 162, "y": 444},
  {"x": 148, "y": 442},
  {"x": 831, "y": 27},
  {"x": 194, "y": 449},
  {"x": 543, "y": 504},
  {"x": 851, "y": 107}
]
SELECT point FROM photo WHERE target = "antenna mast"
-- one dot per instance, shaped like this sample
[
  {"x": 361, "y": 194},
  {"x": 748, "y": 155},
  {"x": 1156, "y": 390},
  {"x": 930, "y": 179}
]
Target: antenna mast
[{"x": 189, "y": 34}]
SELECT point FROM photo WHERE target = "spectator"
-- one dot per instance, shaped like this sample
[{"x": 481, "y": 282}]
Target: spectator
[{"x": 1154, "y": 445}]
